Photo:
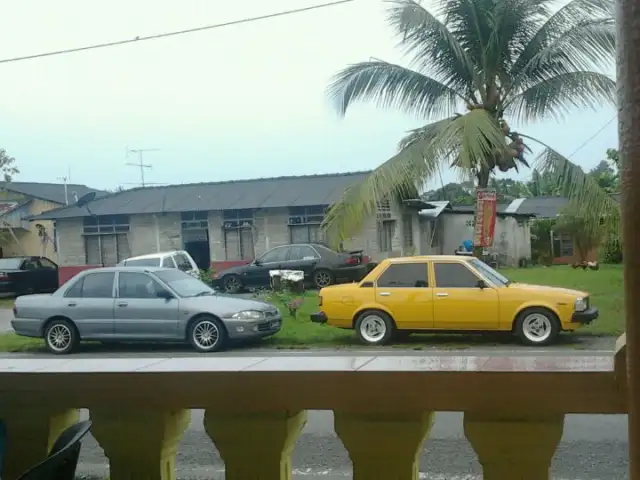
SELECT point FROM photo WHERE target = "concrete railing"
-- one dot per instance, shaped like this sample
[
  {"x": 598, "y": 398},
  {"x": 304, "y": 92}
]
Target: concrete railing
[{"x": 514, "y": 408}]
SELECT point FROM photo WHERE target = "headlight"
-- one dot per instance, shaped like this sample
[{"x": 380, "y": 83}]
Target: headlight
[
  {"x": 248, "y": 315},
  {"x": 582, "y": 304}
]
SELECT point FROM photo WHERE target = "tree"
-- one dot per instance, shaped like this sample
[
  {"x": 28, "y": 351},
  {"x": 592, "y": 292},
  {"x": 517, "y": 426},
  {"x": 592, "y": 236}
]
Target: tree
[
  {"x": 456, "y": 193},
  {"x": 475, "y": 65},
  {"x": 8, "y": 166},
  {"x": 606, "y": 177}
]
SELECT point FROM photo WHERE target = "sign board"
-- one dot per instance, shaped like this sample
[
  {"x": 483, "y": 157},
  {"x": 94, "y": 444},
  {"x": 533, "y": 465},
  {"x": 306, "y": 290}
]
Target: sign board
[{"x": 485, "y": 225}]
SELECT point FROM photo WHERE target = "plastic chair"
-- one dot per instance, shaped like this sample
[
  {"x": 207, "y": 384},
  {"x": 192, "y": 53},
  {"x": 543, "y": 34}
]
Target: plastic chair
[{"x": 62, "y": 461}]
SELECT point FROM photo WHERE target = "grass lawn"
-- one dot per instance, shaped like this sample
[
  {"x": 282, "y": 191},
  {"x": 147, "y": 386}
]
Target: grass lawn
[{"x": 604, "y": 286}]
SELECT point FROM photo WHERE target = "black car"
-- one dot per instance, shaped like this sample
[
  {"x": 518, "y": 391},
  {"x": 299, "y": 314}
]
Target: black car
[
  {"x": 321, "y": 266},
  {"x": 25, "y": 275}
]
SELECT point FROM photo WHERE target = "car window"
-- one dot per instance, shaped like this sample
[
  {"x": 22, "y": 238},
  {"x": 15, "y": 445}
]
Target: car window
[
  {"x": 182, "y": 262},
  {"x": 10, "y": 263},
  {"x": 143, "y": 262},
  {"x": 137, "y": 285},
  {"x": 75, "y": 291},
  {"x": 454, "y": 275},
  {"x": 168, "y": 262},
  {"x": 30, "y": 264},
  {"x": 406, "y": 275},
  {"x": 302, "y": 252},
  {"x": 184, "y": 284},
  {"x": 278, "y": 254},
  {"x": 98, "y": 285},
  {"x": 46, "y": 263}
]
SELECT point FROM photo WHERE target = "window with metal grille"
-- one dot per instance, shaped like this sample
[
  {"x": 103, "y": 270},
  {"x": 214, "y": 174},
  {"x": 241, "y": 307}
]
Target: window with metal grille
[
  {"x": 305, "y": 223},
  {"x": 105, "y": 224},
  {"x": 383, "y": 209},
  {"x": 562, "y": 244},
  {"x": 385, "y": 235},
  {"x": 106, "y": 250},
  {"x": 237, "y": 228},
  {"x": 407, "y": 230},
  {"x": 194, "y": 220}
]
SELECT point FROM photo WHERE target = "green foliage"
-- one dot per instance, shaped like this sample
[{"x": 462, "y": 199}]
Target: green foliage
[
  {"x": 8, "y": 166},
  {"x": 541, "y": 248},
  {"x": 473, "y": 66},
  {"x": 206, "y": 276},
  {"x": 285, "y": 297}
]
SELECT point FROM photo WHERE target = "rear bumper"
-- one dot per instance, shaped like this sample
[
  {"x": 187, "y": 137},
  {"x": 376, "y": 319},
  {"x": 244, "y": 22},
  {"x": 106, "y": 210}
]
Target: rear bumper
[
  {"x": 586, "y": 316},
  {"x": 318, "y": 317}
]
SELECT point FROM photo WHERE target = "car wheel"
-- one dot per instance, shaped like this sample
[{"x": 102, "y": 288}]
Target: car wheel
[
  {"x": 207, "y": 334},
  {"x": 322, "y": 278},
  {"x": 61, "y": 337},
  {"x": 374, "y": 327},
  {"x": 537, "y": 326},
  {"x": 232, "y": 284}
]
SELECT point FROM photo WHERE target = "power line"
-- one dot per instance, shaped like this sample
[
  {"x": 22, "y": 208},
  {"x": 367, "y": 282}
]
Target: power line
[
  {"x": 180, "y": 32},
  {"x": 588, "y": 140}
]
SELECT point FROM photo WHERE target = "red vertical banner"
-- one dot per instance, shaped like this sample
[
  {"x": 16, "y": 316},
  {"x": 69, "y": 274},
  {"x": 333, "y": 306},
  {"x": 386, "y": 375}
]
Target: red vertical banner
[{"x": 485, "y": 225}]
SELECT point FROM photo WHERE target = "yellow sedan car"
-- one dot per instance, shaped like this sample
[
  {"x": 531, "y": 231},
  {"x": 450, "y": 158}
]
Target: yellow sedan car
[{"x": 450, "y": 294}]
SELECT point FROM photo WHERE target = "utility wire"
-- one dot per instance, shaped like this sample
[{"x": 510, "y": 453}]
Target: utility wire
[{"x": 180, "y": 32}]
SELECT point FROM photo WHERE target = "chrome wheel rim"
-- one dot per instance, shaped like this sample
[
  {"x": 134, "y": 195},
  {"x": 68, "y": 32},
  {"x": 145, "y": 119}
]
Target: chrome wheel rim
[
  {"x": 59, "y": 337},
  {"x": 373, "y": 328},
  {"x": 323, "y": 279},
  {"x": 536, "y": 327},
  {"x": 206, "y": 334},
  {"x": 232, "y": 284}
]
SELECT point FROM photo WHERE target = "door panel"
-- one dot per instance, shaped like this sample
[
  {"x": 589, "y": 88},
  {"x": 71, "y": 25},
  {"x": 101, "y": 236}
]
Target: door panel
[
  {"x": 89, "y": 303},
  {"x": 274, "y": 259},
  {"x": 458, "y": 303},
  {"x": 302, "y": 257},
  {"x": 140, "y": 313},
  {"x": 404, "y": 290}
]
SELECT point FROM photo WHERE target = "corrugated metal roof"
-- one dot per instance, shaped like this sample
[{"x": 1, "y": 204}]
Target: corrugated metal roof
[
  {"x": 542, "y": 207},
  {"x": 52, "y": 192},
  {"x": 432, "y": 213},
  {"x": 239, "y": 194}
]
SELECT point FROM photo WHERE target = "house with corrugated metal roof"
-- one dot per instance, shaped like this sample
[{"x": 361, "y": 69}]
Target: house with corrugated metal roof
[
  {"x": 22, "y": 200},
  {"x": 223, "y": 223}
]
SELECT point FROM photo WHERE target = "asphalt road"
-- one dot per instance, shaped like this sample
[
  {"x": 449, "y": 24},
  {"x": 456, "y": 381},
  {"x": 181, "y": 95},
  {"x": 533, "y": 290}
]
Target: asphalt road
[{"x": 593, "y": 447}]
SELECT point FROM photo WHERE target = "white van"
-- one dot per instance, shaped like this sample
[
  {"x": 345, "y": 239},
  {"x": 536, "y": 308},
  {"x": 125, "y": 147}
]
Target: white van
[{"x": 175, "y": 259}]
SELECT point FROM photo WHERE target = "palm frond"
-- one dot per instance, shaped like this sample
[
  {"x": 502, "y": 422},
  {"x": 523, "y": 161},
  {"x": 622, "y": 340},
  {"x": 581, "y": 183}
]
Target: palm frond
[
  {"x": 556, "y": 96},
  {"x": 597, "y": 209},
  {"x": 558, "y": 25},
  {"x": 394, "y": 86},
  {"x": 467, "y": 139},
  {"x": 433, "y": 48}
]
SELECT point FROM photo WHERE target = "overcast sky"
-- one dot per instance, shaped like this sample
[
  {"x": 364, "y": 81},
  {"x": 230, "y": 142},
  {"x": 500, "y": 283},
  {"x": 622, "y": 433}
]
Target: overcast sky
[{"x": 239, "y": 102}]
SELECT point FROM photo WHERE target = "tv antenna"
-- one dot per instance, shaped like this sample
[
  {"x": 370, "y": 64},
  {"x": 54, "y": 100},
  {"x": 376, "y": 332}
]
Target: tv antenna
[
  {"x": 140, "y": 163},
  {"x": 65, "y": 180}
]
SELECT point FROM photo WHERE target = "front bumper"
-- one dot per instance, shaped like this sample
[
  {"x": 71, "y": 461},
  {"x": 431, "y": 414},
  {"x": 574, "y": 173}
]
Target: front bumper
[
  {"x": 586, "y": 316},
  {"x": 318, "y": 317},
  {"x": 241, "y": 329}
]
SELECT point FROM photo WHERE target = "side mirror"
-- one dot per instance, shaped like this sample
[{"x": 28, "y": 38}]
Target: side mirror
[
  {"x": 164, "y": 294},
  {"x": 257, "y": 262},
  {"x": 481, "y": 284}
]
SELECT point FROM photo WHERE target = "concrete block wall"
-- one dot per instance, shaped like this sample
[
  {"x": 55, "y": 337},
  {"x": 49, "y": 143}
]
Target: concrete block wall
[{"x": 70, "y": 242}]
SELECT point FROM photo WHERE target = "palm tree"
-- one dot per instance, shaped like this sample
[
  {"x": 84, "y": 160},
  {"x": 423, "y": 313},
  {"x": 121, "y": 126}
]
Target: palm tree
[{"x": 474, "y": 66}]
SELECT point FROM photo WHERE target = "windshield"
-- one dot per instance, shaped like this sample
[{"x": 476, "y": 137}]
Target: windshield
[
  {"x": 184, "y": 284},
  {"x": 493, "y": 276},
  {"x": 143, "y": 262},
  {"x": 10, "y": 263}
]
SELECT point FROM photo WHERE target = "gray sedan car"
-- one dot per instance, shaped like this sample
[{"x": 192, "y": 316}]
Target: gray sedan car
[{"x": 141, "y": 304}]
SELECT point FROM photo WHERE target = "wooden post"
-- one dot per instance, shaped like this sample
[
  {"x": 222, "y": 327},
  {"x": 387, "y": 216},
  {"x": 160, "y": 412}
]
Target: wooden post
[{"x": 628, "y": 41}]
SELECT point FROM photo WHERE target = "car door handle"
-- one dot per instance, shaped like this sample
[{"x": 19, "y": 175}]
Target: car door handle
[
  {"x": 72, "y": 304},
  {"x": 442, "y": 294},
  {"x": 385, "y": 294},
  {"x": 123, "y": 304}
]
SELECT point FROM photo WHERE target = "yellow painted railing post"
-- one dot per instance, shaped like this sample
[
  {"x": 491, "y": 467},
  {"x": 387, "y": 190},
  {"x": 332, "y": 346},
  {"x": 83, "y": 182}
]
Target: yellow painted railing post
[
  {"x": 140, "y": 444},
  {"x": 30, "y": 435},
  {"x": 384, "y": 445},
  {"x": 255, "y": 445},
  {"x": 514, "y": 448}
]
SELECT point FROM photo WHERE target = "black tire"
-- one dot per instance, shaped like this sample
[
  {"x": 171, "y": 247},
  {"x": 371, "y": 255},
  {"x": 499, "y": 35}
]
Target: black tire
[
  {"x": 322, "y": 278},
  {"x": 368, "y": 325},
  {"x": 217, "y": 332},
  {"x": 232, "y": 283},
  {"x": 61, "y": 336},
  {"x": 537, "y": 326}
]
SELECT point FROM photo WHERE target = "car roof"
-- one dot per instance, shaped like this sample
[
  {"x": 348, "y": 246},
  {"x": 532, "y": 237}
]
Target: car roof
[
  {"x": 155, "y": 255},
  {"x": 129, "y": 269},
  {"x": 426, "y": 258}
]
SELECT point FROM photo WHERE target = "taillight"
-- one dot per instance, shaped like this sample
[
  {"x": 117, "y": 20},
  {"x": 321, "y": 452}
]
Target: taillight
[
  {"x": 319, "y": 301},
  {"x": 15, "y": 311},
  {"x": 351, "y": 261},
  {"x": 3, "y": 277}
]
